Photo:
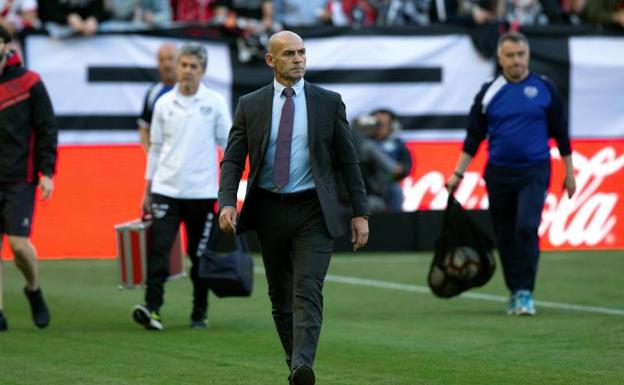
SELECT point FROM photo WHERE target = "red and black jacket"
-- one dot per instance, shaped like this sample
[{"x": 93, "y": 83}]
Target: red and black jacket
[{"x": 28, "y": 132}]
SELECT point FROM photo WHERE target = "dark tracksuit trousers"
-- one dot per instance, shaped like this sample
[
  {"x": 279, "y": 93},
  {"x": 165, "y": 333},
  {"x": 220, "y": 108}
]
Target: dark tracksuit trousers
[
  {"x": 167, "y": 213},
  {"x": 517, "y": 198}
]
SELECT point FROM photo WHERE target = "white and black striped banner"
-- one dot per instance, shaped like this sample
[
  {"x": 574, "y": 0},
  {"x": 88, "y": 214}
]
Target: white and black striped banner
[
  {"x": 430, "y": 80},
  {"x": 597, "y": 87}
]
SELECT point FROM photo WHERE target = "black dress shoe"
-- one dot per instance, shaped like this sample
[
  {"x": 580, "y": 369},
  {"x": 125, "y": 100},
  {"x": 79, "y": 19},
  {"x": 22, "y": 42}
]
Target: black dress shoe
[{"x": 302, "y": 375}]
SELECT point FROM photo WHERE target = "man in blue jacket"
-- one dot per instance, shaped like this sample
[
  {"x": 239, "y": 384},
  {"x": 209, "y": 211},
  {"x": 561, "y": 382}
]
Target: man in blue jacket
[{"x": 518, "y": 112}]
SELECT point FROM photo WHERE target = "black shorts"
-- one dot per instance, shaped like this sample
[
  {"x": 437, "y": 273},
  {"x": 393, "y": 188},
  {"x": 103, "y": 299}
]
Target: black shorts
[{"x": 17, "y": 202}]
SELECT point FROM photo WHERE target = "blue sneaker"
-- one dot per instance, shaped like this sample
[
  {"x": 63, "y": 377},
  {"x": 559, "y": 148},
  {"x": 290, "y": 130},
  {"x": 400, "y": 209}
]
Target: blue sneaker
[{"x": 525, "y": 305}]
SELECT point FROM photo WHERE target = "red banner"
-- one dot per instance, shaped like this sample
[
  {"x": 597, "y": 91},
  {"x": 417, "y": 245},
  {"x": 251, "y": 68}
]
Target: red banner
[
  {"x": 100, "y": 186},
  {"x": 592, "y": 218}
]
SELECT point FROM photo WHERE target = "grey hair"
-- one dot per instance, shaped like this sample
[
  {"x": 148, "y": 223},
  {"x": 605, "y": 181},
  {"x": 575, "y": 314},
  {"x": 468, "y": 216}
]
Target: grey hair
[
  {"x": 196, "y": 49},
  {"x": 515, "y": 37}
]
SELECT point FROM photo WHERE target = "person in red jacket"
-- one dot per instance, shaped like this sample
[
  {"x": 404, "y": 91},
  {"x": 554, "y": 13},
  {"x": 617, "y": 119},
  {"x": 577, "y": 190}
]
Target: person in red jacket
[{"x": 28, "y": 145}]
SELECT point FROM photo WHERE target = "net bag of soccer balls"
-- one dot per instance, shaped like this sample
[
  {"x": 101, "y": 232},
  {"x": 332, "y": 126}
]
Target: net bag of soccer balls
[{"x": 463, "y": 255}]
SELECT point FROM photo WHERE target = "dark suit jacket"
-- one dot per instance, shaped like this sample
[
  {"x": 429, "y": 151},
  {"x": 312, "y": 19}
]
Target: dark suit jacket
[{"x": 330, "y": 145}]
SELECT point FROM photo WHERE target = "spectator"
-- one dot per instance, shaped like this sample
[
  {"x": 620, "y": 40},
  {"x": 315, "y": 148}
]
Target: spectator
[
  {"x": 374, "y": 163},
  {"x": 133, "y": 14},
  {"x": 522, "y": 12},
  {"x": 606, "y": 12},
  {"x": 28, "y": 139},
  {"x": 403, "y": 12},
  {"x": 245, "y": 13},
  {"x": 530, "y": 12},
  {"x": 193, "y": 11},
  {"x": 166, "y": 72},
  {"x": 63, "y": 18},
  {"x": 552, "y": 10},
  {"x": 188, "y": 124},
  {"x": 356, "y": 13},
  {"x": 297, "y": 13},
  {"x": 251, "y": 21},
  {"x": 574, "y": 11},
  {"x": 384, "y": 159},
  {"x": 470, "y": 12},
  {"x": 16, "y": 15},
  {"x": 391, "y": 145}
]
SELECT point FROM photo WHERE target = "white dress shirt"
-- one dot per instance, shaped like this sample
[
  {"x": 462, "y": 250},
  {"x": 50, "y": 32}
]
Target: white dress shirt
[{"x": 300, "y": 177}]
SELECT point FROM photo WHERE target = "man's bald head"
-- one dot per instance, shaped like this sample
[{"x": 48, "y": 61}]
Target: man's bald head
[
  {"x": 166, "y": 63},
  {"x": 279, "y": 39},
  {"x": 287, "y": 56},
  {"x": 167, "y": 49}
]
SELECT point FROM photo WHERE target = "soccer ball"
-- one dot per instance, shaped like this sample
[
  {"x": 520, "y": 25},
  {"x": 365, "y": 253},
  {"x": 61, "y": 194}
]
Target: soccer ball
[
  {"x": 437, "y": 277},
  {"x": 462, "y": 263}
]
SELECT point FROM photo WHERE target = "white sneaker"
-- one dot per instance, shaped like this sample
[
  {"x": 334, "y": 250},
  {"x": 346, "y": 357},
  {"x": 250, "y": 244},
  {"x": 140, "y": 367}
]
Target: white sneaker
[{"x": 150, "y": 320}]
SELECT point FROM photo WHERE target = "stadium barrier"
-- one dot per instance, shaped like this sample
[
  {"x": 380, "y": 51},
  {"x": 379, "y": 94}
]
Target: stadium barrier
[{"x": 98, "y": 186}]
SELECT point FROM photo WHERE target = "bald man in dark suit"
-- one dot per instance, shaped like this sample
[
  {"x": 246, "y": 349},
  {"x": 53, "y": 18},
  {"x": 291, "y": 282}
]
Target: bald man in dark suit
[{"x": 297, "y": 138}]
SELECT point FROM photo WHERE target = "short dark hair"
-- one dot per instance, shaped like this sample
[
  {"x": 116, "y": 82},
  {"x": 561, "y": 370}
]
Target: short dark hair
[
  {"x": 5, "y": 35},
  {"x": 395, "y": 123},
  {"x": 196, "y": 49},
  {"x": 515, "y": 37},
  {"x": 386, "y": 111}
]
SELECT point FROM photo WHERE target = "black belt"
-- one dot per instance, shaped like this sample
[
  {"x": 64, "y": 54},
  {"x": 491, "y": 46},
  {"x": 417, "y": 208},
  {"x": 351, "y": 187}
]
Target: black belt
[{"x": 298, "y": 196}]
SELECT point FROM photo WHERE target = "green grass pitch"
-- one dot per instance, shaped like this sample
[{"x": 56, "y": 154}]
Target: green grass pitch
[{"x": 382, "y": 330}]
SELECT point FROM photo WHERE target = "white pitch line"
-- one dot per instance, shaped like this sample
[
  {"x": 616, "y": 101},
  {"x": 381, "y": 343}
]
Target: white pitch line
[{"x": 478, "y": 296}]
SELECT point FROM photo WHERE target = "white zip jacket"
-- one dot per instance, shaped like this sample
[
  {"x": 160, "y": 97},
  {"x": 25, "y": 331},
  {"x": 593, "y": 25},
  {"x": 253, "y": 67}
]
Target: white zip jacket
[{"x": 184, "y": 133}]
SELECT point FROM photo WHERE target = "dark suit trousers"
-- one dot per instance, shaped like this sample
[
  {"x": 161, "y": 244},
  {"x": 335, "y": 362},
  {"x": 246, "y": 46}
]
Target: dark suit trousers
[{"x": 296, "y": 249}]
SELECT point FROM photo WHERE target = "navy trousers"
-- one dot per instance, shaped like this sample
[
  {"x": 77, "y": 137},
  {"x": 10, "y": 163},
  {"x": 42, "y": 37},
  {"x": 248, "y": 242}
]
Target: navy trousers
[{"x": 517, "y": 198}]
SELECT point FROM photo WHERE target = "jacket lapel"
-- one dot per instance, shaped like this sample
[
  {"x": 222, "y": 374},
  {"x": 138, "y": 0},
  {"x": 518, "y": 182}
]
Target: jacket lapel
[
  {"x": 266, "y": 115},
  {"x": 311, "y": 107}
]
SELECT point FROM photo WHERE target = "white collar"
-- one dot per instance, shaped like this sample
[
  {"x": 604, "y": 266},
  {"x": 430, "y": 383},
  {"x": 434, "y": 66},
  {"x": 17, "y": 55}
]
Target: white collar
[
  {"x": 196, "y": 96},
  {"x": 279, "y": 87}
]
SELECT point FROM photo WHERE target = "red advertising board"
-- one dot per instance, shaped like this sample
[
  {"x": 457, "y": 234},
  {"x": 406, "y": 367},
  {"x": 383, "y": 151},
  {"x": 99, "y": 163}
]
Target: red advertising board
[
  {"x": 592, "y": 218},
  {"x": 100, "y": 186}
]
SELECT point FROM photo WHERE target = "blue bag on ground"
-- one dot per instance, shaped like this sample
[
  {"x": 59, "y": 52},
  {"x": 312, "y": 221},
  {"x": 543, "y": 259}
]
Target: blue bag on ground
[{"x": 228, "y": 274}]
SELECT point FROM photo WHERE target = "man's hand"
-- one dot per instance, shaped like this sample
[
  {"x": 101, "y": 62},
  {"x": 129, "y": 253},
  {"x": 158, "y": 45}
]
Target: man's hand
[
  {"x": 146, "y": 204},
  {"x": 618, "y": 17},
  {"x": 569, "y": 183},
  {"x": 75, "y": 22},
  {"x": 228, "y": 219},
  {"x": 452, "y": 182},
  {"x": 47, "y": 186},
  {"x": 359, "y": 232}
]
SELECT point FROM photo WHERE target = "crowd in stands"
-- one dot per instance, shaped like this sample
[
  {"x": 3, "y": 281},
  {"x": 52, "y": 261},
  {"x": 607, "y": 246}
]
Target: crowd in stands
[
  {"x": 64, "y": 18},
  {"x": 253, "y": 21}
]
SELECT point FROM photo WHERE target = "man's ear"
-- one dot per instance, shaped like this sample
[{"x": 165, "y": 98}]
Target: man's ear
[{"x": 268, "y": 59}]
